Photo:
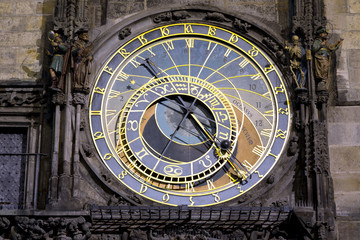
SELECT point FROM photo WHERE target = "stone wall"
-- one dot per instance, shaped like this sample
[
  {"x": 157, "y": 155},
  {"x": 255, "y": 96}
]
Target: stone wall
[
  {"x": 344, "y": 121},
  {"x": 267, "y": 9},
  {"x": 22, "y": 24}
]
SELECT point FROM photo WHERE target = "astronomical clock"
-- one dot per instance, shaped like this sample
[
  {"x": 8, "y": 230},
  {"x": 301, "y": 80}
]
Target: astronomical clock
[{"x": 189, "y": 114}]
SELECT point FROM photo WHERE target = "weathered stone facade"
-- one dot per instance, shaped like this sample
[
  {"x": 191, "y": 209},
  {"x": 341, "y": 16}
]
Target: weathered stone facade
[{"x": 24, "y": 72}]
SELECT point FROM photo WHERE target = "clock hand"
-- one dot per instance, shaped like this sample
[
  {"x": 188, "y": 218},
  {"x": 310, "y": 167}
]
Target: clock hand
[
  {"x": 152, "y": 72},
  {"x": 149, "y": 70},
  {"x": 224, "y": 145},
  {"x": 188, "y": 111}
]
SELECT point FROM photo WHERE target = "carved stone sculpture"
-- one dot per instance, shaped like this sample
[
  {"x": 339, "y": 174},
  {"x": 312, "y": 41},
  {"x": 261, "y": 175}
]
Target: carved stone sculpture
[
  {"x": 82, "y": 56},
  {"x": 296, "y": 54},
  {"x": 59, "y": 53},
  {"x": 322, "y": 53}
]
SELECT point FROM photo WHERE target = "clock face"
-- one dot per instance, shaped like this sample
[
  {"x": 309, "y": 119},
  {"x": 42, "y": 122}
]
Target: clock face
[{"x": 189, "y": 114}]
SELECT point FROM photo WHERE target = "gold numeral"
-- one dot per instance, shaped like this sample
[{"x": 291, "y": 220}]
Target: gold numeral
[
  {"x": 258, "y": 150},
  {"x": 122, "y": 174},
  {"x": 227, "y": 53},
  {"x": 142, "y": 39},
  {"x": 99, "y": 90},
  {"x": 151, "y": 52},
  {"x": 216, "y": 197},
  {"x": 243, "y": 64},
  {"x": 165, "y": 198},
  {"x": 134, "y": 63},
  {"x": 281, "y": 134},
  {"x": 191, "y": 201},
  {"x": 258, "y": 173},
  {"x": 114, "y": 94},
  {"x": 256, "y": 77},
  {"x": 122, "y": 76},
  {"x": 284, "y": 111},
  {"x": 109, "y": 70},
  {"x": 164, "y": 31},
  {"x": 110, "y": 112},
  {"x": 98, "y": 135},
  {"x": 189, "y": 42},
  {"x": 269, "y": 113},
  {"x": 279, "y": 89},
  {"x": 266, "y": 132},
  {"x": 95, "y": 113},
  {"x": 210, "y": 184},
  {"x": 239, "y": 187},
  {"x": 143, "y": 188},
  {"x": 269, "y": 69},
  {"x": 233, "y": 39},
  {"x": 247, "y": 165},
  {"x": 107, "y": 156},
  {"x": 123, "y": 52},
  {"x": 189, "y": 187},
  {"x": 188, "y": 28},
  {"x": 211, "y": 31},
  {"x": 170, "y": 45},
  {"x": 253, "y": 52},
  {"x": 267, "y": 95}
]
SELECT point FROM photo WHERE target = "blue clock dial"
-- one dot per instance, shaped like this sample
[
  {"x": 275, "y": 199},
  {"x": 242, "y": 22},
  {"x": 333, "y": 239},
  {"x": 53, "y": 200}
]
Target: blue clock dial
[{"x": 189, "y": 114}]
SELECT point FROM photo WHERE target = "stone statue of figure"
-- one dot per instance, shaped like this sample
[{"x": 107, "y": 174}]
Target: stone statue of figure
[
  {"x": 322, "y": 53},
  {"x": 296, "y": 54},
  {"x": 59, "y": 53},
  {"x": 82, "y": 58}
]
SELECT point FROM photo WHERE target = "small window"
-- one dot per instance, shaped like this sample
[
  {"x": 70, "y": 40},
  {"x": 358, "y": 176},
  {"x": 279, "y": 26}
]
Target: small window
[{"x": 13, "y": 143}]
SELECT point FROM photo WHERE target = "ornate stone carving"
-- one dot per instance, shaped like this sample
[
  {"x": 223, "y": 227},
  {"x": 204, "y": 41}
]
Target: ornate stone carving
[
  {"x": 15, "y": 98},
  {"x": 52, "y": 228},
  {"x": 4, "y": 226},
  {"x": 322, "y": 164},
  {"x": 79, "y": 98},
  {"x": 163, "y": 17},
  {"x": 123, "y": 33},
  {"x": 88, "y": 149},
  {"x": 178, "y": 15},
  {"x": 117, "y": 201},
  {"x": 216, "y": 16},
  {"x": 293, "y": 146},
  {"x": 275, "y": 48},
  {"x": 241, "y": 26},
  {"x": 169, "y": 16},
  {"x": 81, "y": 20},
  {"x": 58, "y": 98},
  {"x": 79, "y": 229}
]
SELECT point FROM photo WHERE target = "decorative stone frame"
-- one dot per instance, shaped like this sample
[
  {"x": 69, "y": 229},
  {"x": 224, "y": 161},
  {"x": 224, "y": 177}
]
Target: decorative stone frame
[
  {"x": 20, "y": 107},
  {"x": 254, "y": 30}
]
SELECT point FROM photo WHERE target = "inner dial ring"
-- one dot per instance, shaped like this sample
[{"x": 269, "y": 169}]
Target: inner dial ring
[{"x": 154, "y": 162}]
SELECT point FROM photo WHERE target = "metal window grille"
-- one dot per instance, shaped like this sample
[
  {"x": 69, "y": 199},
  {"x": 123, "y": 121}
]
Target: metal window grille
[{"x": 13, "y": 143}]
